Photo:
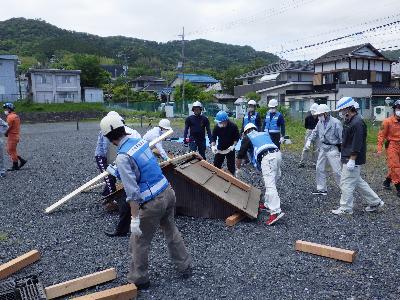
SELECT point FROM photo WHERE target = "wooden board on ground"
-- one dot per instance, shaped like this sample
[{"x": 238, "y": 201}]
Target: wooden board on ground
[
  {"x": 327, "y": 251},
  {"x": 234, "y": 219},
  {"x": 77, "y": 284},
  {"x": 18, "y": 263},
  {"x": 125, "y": 292}
]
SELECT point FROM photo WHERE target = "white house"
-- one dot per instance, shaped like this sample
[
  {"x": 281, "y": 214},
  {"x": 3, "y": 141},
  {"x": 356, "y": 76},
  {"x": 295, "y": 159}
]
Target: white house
[
  {"x": 54, "y": 86},
  {"x": 92, "y": 94}
]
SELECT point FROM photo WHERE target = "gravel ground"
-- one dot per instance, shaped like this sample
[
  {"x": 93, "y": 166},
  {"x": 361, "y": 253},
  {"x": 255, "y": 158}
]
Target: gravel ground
[{"x": 248, "y": 261}]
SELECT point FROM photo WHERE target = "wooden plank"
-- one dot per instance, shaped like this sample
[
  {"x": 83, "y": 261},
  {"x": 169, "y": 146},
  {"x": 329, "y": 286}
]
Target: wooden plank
[
  {"x": 77, "y": 284},
  {"x": 225, "y": 176},
  {"x": 124, "y": 292},
  {"x": 326, "y": 251},
  {"x": 18, "y": 263},
  {"x": 234, "y": 219}
]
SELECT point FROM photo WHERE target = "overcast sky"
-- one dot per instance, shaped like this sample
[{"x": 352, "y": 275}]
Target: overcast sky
[{"x": 269, "y": 25}]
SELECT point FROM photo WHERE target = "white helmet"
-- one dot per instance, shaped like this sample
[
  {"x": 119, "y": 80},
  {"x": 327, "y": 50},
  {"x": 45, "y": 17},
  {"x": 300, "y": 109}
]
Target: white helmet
[
  {"x": 322, "y": 109},
  {"x": 197, "y": 104},
  {"x": 114, "y": 113},
  {"x": 313, "y": 108},
  {"x": 272, "y": 103},
  {"x": 249, "y": 126},
  {"x": 164, "y": 123},
  {"x": 252, "y": 102},
  {"x": 110, "y": 123},
  {"x": 345, "y": 102}
]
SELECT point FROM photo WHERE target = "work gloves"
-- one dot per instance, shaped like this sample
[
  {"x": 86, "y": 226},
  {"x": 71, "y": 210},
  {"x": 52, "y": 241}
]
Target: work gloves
[
  {"x": 282, "y": 139},
  {"x": 351, "y": 164},
  {"x": 214, "y": 149},
  {"x": 307, "y": 145},
  {"x": 112, "y": 169},
  {"x": 238, "y": 173},
  {"x": 135, "y": 227},
  {"x": 231, "y": 148}
]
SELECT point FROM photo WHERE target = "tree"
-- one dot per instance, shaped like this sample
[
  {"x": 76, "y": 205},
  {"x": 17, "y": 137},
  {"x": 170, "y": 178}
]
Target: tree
[
  {"x": 228, "y": 78},
  {"x": 191, "y": 92},
  {"x": 253, "y": 96},
  {"x": 91, "y": 72},
  {"x": 206, "y": 96}
]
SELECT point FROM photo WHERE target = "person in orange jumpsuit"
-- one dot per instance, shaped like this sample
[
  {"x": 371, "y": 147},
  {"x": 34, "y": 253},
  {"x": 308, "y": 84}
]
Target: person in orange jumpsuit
[
  {"x": 12, "y": 135},
  {"x": 390, "y": 133}
]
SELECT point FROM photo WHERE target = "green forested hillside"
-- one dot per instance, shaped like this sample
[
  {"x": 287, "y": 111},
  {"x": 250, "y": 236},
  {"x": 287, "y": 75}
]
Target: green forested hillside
[{"x": 37, "y": 40}]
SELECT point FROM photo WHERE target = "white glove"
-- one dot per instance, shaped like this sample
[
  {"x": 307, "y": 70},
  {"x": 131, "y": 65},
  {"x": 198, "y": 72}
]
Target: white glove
[
  {"x": 282, "y": 139},
  {"x": 135, "y": 227},
  {"x": 307, "y": 145},
  {"x": 238, "y": 173},
  {"x": 351, "y": 164},
  {"x": 112, "y": 169},
  {"x": 214, "y": 149},
  {"x": 231, "y": 148}
]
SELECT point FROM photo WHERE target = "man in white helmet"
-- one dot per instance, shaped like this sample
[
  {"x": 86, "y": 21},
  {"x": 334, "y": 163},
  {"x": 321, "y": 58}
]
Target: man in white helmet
[
  {"x": 163, "y": 126},
  {"x": 354, "y": 149},
  {"x": 274, "y": 123},
  {"x": 329, "y": 132},
  {"x": 268, "y": 159},
  {"x": 310, "y": 122},
  {"x": 151, "y": 200},
  {"x": 252, "y": 116},
  {"x": 105, "y": 154},
  {"x": 196, "y": 127}
]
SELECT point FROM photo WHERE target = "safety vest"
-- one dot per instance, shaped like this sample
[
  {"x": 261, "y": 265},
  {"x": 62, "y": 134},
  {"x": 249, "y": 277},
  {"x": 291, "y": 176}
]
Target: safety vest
[
  {"x": 260, "y": 141},
  {"x": 271, "y": 125},
  {"x": 152, "y": 181},
  {"x": 250, "y": 118}
]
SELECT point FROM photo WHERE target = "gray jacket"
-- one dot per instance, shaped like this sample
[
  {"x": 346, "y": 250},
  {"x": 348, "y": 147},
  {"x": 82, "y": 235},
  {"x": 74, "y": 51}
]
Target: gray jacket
[{"x": 329, "y": 133}]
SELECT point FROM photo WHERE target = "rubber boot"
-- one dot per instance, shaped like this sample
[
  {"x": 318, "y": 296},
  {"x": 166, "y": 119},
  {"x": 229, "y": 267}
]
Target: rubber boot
[
  {"x": 14, "y": 166},
  {"x": 386, "y": 183},
  {"x": 398, "y": 189},
  {"x": 22, "y": 161}
]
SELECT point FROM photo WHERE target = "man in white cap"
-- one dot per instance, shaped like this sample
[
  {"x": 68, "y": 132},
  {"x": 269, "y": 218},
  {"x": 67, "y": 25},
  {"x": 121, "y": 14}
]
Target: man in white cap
[
  {"x": 354, "y": 149},
  {"x": 329, "y": 132},
  {"x": 310, "y": 122},
  {"x": 274, "y": 123},
  {"x": 252, "y": 116},
  {"x": 163, "y": 126}
]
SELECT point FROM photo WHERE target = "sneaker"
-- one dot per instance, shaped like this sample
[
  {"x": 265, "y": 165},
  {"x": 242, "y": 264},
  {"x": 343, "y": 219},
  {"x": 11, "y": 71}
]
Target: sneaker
[
  {"x": 143, "y": 286},
  {"x": 386, "y": 183},
  {"x": 318, "y": 192},
  {"x": 186, "y": 274},
  {"x": 301, "y": 165},
  {"x": 371, "y": 208},
  {"x": 274, "y": 217},
  {"x": 342, "y": 211}
]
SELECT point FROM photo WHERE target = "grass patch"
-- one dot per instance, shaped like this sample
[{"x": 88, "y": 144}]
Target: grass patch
[{"x": 3, "y": 236}]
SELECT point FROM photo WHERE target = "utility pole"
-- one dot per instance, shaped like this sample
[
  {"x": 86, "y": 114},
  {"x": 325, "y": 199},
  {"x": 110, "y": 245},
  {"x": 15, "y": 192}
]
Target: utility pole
[{"x": 183, "y": 69}]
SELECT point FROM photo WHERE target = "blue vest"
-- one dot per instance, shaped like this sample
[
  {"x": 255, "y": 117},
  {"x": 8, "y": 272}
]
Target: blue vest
[
  {"x": 250, "y": 119},
  {"x": 271, "y": 125},
  {"x": 260, "y": 141},
  {"x": 152, "y": 182}
]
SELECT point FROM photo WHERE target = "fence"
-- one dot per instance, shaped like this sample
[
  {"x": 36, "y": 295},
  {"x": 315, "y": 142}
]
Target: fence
[
  {"x": 9, "y": 97},
  {"x": 180, "y": 108}
]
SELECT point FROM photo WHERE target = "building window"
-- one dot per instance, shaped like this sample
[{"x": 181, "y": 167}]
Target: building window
[
  {"x": 41, "y": 79},
  {"x": 327, "y": 79},
  {"x": 250, "y": 81},
  {"x": 343, "y": 77},
  {"x": 66, "y": 79},
  {"x": 379, "y": 77}
]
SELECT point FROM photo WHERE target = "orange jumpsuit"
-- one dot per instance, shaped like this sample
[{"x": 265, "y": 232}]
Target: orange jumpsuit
[
  {"x": 13, "y": 133},
  {"x": 390, "y": 131}
]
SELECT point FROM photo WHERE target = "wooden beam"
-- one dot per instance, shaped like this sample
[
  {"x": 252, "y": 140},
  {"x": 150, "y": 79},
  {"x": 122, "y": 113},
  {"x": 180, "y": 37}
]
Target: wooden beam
[
  {"x": 18, "y": 263},
  {"x": 124, "y": 292},
  {"x": 225, "y": 176},
  {"x": 77, "y": 284},
  {"x": 234, "y": 219},
  {"x": 327, "y": 251}
]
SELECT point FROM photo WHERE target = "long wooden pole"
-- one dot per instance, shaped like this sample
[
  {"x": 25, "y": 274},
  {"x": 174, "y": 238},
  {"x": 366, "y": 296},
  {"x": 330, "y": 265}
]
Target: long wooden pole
[{"x": 99, "y": 177}]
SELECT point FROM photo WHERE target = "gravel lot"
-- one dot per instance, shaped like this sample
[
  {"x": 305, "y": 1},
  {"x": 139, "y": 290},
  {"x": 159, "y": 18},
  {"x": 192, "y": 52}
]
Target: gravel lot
[{"x": 248, "y": 261}]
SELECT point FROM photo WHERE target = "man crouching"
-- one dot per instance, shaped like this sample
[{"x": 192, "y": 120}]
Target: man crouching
[{"x": 151, "y": 199}]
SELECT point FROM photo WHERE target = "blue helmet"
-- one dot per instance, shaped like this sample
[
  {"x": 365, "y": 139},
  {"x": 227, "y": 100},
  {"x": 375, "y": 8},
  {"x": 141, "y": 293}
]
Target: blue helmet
[
  {"x": 9, "y": 105},
  {"x": 221, "y": 117}
]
